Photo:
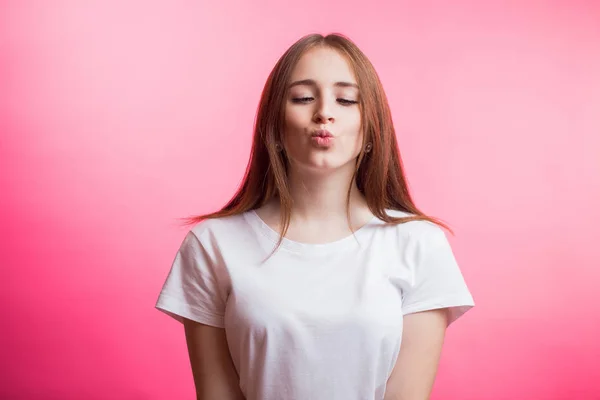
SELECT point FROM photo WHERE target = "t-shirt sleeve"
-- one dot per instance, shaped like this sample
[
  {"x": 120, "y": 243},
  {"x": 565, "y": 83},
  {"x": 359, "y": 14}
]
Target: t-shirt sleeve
[
  {"x": 191, "y": 289},
  {"x": 436, "y": 281}
]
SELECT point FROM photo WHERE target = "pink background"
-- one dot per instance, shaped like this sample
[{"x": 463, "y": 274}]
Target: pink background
[{"x": 117, "y": 117}]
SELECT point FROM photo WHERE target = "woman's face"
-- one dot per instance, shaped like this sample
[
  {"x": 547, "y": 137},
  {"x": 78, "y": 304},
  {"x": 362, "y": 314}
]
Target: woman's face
[{"x": 322, "y": 96}]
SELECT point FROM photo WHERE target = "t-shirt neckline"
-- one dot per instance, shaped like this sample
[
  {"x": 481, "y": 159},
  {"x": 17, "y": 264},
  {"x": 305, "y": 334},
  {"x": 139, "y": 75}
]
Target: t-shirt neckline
[{"x": 311, "y": 248}]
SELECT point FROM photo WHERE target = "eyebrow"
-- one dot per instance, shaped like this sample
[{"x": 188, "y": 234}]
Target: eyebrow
[{"x": 311, "y": 82}]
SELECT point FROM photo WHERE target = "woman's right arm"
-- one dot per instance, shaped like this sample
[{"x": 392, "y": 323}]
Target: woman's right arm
[{"x": 214, "y": 374}]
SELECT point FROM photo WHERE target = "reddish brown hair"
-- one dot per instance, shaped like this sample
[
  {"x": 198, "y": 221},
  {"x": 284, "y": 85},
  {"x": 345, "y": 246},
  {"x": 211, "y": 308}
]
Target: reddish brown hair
[{"x": 379, "y": 173}]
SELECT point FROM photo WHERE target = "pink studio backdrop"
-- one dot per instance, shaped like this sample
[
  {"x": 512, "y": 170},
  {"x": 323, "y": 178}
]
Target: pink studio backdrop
[{"x": 117, "y": 117}]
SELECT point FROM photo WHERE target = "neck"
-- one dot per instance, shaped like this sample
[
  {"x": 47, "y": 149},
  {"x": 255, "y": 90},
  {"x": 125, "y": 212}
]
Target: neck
[{"x": 323, "y": 197}]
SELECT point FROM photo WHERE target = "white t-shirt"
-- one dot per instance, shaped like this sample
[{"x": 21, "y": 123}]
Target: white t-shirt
[{"x": 315, "y": 321}]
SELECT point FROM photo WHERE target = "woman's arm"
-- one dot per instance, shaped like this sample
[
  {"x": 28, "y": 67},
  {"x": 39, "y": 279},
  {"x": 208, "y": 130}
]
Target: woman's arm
[
  {"x": 214, "y": 374},
  {"x": 422, "y": 339}
]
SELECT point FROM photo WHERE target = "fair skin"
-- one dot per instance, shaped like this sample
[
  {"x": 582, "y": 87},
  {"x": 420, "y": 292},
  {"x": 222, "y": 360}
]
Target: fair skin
[{"x": 319, "y": 177}]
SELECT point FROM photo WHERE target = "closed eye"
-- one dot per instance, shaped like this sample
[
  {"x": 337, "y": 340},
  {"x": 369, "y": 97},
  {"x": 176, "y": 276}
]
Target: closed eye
[{"x": 304, "y": 100}]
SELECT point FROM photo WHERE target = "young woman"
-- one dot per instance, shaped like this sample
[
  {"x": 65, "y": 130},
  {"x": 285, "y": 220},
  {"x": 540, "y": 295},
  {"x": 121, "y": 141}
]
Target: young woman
[{"x": 320, "y": 279}]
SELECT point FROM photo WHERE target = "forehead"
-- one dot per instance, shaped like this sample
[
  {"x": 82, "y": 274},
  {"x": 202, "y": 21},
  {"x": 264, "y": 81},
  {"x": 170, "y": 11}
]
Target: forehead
[{"x": 323, "y": 64}]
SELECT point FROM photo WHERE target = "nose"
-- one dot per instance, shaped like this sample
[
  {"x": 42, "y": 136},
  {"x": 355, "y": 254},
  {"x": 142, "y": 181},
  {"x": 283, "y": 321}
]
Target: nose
[{"x": 323, "y": 113}]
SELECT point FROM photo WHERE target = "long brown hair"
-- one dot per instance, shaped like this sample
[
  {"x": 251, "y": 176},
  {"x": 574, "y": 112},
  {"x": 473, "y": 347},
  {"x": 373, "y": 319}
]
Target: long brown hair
[{"x": 379, "y": 173}]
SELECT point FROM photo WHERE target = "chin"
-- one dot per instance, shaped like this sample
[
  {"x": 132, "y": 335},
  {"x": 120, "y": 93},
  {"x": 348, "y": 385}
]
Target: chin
[{"x": 325, "y": 164}]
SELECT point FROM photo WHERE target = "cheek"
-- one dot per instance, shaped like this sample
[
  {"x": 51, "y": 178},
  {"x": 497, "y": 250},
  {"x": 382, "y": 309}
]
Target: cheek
[
  {"x": 358, "y": 144},
  {"x": 294, "y": 117},
  {"x": 356, "y": 118},
  {"x": 354, "y": 126},
  {"x": 359, "y": 136},
  {"x": 292, "y": 128}
]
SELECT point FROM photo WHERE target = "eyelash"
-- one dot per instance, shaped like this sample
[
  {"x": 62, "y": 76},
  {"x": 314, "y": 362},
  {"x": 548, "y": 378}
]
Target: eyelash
[{"x": 302, "y": 100}]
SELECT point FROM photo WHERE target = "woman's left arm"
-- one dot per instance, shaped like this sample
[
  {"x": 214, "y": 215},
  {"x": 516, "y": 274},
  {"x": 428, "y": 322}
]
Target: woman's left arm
[{"x": 422, "y": 339}]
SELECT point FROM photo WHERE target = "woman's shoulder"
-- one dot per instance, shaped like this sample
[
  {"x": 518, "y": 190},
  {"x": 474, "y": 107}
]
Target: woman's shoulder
[
  {"x": 416, "y": 228},
  {"x": 219, "y": 226}
]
